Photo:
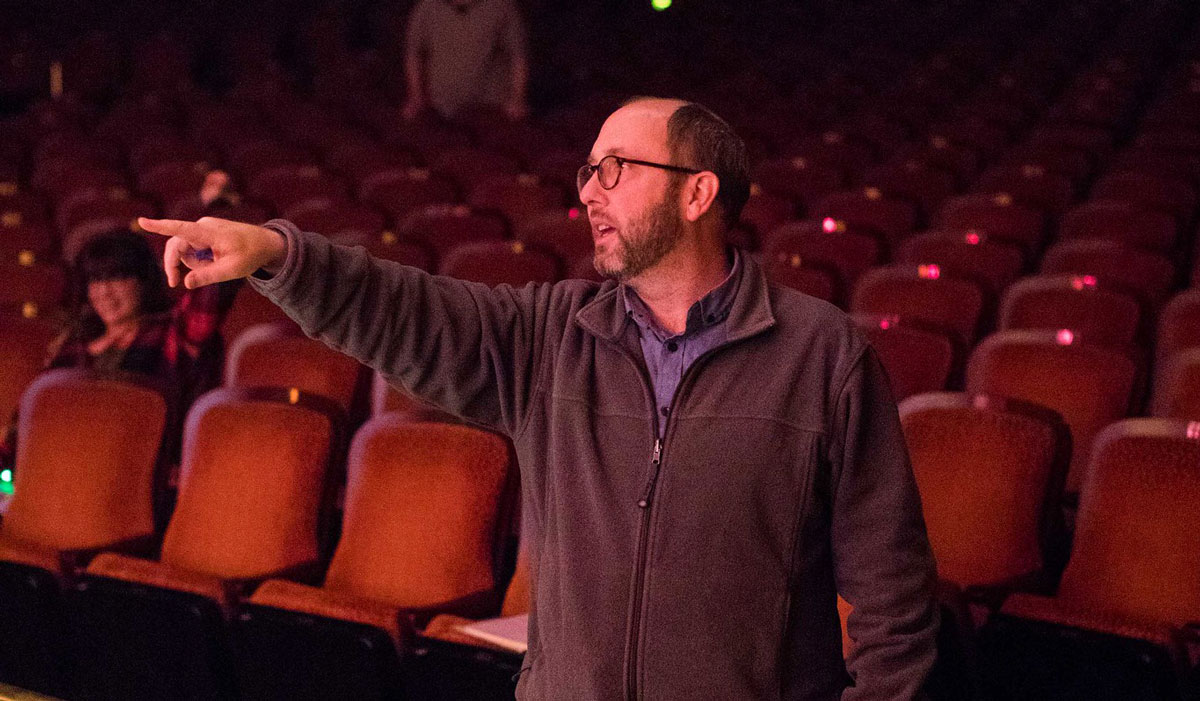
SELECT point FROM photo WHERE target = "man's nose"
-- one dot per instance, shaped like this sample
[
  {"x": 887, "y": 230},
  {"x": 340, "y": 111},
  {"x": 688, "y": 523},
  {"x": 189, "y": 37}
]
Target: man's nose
[{"x": 591, "y": 190}]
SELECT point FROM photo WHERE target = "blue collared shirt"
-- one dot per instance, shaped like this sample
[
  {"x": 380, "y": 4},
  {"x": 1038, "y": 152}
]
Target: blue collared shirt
[{"x": 667, "y": 355}]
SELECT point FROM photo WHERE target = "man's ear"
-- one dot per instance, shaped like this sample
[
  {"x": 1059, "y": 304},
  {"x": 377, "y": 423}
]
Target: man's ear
[{"x": 700, "y": 194}]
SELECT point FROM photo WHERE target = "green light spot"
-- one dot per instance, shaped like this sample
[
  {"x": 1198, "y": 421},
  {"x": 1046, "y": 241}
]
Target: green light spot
[{"x": 660, "y": 5}]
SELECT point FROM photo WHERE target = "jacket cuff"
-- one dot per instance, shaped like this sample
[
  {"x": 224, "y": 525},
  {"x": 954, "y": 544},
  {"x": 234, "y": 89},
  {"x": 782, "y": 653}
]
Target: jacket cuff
[{"x": 265, "y": 282}]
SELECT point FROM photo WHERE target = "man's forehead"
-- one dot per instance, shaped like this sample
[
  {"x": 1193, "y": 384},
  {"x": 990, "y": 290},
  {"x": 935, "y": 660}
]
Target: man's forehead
[{"x": 638, "y": 130}]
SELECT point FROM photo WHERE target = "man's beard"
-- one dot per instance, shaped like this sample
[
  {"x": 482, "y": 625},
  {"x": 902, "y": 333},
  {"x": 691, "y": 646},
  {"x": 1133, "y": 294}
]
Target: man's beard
[{"x": 648, "y": 241}]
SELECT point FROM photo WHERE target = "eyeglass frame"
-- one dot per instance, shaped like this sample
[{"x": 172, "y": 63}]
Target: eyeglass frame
[{"x": 581, "y": 181}]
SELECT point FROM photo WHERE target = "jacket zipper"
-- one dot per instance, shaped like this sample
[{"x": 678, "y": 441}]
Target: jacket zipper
[
  {"x": 645, "y": 503},
  {"x": 635, "y": 621}
]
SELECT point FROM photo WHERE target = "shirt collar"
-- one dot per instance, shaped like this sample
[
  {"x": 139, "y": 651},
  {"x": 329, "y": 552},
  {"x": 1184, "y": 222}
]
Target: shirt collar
[{"x": 710, "y": 310}]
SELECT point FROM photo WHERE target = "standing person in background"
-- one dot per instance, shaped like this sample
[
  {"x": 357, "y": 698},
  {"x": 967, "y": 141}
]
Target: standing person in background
[{"x": 459, "y": 53}]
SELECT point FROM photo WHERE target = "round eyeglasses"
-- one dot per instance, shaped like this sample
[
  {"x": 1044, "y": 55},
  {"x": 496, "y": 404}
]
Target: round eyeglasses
[{"x": 608, "y": 171}]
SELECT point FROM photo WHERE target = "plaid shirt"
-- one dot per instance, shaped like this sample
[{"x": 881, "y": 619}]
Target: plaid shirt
[{"x": 182, "y": 347}]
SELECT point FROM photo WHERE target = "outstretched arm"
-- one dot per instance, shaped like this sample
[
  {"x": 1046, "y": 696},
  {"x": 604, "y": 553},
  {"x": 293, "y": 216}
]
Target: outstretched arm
[{"x": 465, "y": 347}]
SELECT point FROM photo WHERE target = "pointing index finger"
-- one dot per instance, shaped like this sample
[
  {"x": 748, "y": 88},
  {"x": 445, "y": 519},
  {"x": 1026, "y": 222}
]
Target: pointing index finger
[{"x": 186, "y": 230}]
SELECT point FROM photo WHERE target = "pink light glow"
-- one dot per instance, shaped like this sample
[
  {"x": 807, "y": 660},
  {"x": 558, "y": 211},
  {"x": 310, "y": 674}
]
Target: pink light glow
[
  {"x": 829, "y": 225},
  {"x": 1193, "y": 430},
  {"x": 929, "y": 272},
  {"x": 1064, "y": 337},
  {"x": 972, "y": 238},
  {"x": 1081, "y": 282},
  {"x": 573, "y": 213}
]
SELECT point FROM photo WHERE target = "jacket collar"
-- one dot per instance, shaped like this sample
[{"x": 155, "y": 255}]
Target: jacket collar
[{"x": 605, "y": 317}]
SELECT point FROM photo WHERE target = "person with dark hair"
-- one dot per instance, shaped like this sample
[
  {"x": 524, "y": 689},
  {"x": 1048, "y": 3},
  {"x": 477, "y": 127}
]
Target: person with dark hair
[
  {"x": 123, "y": 319},
  {"x": 707, "y": 459}
]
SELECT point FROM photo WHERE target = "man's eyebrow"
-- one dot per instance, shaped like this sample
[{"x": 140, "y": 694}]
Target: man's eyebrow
[{"x": 616, "y": 151}]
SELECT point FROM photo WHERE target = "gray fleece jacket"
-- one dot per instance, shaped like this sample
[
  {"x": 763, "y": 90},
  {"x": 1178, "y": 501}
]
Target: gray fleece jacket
[{"x": 701, "y": 566}]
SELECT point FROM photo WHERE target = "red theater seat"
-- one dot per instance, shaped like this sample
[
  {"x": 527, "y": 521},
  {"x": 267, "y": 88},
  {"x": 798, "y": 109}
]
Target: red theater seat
[
  {"x": 501, "y": 262},
  {"x": 400, "y": 191},
  {"x": 1177, "y": 386},
  {"x": 1179, "y": 325},
  {"x": 891, "y": 219},
  {"x": 997, "y": 217},
  {"x": 798, "y": 179},
  {"x": 517, "y": 198},
  {"x": 1112, "y": 628},
  {"x": 421, "y": 531},
  {"x": 914, "y": 181},
  {"x": 916, "y": 359},
  {"x": 1147, "y": 276},
  {"x": 336, "y": 218},
  {"x": 827, "y": 244},
  {"x": 251, "y": 496},
  {"x": 990, "y": 471},
  {"x": 1030, "y": 185},
  {"x": 1075, "y": 302},
  {"x": 1120, "y": 222},
  {"x": 1160, "y": 193},
  {"x": 445, "y": 227},
  {"x": 567, "y": 232},
  {"x": 277, "y": 355},
  {"x": 920, "y": 293},
  {"x": 1089, "y": 385},
  {"x": 790, "y": 271},
  {"x": 469, "y": 167},
  {"x": 86, "y": 468}
]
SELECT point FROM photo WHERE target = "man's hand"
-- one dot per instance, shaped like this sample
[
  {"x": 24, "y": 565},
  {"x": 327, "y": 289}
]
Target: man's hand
[{"x": 216, "y": 250}]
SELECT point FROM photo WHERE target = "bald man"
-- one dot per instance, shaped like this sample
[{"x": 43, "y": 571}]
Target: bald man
[{"x": 707, "y": 459}]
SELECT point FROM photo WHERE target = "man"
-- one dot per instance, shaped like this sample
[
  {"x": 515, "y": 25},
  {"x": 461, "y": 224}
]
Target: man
[
  {"x": 463, "y": 52},
  {"x": 707, "y": 459}
]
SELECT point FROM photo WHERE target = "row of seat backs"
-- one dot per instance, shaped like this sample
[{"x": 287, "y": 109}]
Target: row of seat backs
[
  {"x": 421, "y": 498},
  {"x": 991, "y": 473}
]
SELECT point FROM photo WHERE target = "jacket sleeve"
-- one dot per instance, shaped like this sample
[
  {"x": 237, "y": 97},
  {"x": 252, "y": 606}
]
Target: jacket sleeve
[
  {"x": 461, "y": 346},
  {"x": 882, "y": 560}
]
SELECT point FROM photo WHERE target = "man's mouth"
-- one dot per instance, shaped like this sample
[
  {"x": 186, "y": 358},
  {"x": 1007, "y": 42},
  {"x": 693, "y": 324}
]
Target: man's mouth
[{"x": 599, "y": 231}]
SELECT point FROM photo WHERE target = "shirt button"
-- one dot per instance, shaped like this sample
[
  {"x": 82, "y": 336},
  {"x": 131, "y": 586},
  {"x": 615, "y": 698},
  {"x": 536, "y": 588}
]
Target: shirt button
[
  {"x": 666, "y": 411},
  {"x": 672, "y": 346}
]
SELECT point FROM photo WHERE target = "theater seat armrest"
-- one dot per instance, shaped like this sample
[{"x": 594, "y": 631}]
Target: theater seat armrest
[
  {"x": 150, "y": 573},
  {"x": 479, "y": 605},
  {"x": 75, "y": 562},
  {"x": 1049, "y": 610},
  {"x": 304, "y": 573},
  {"x": 316, "y": 601}
]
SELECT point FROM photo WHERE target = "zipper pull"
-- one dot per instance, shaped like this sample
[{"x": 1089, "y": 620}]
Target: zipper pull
[{"x": 645, "y": 500}]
